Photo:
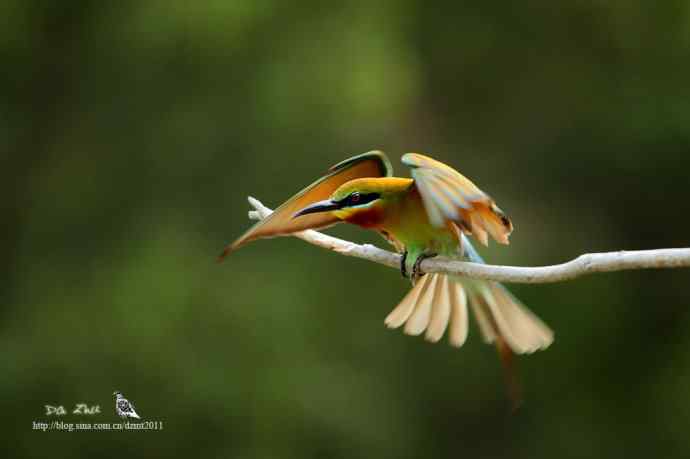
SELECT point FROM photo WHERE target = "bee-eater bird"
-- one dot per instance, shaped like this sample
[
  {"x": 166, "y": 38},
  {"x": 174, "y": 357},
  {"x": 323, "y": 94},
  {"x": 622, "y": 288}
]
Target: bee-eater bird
[{"x": 430, "y": 214}]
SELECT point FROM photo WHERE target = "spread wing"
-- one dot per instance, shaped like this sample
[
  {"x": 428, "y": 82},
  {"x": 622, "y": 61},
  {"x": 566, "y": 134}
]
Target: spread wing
[
  {"x": 449, "y": 196},
  {"x": 280, "y": 222}
]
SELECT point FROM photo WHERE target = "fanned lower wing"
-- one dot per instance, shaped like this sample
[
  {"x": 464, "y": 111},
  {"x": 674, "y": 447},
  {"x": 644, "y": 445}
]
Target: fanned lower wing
[
  {"x": 449, "y": 196},
  {"x": 438, "y": 302},
  {"x": 280, "y": 222}
]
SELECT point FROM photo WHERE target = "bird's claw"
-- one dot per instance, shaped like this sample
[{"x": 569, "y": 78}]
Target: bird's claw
[
  {"x": 403, "y": 267},
  {"x": 416, "y": 270}
]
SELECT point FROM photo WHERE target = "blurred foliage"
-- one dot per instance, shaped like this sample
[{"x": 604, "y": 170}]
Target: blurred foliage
[{"x": 134, "y": 130}]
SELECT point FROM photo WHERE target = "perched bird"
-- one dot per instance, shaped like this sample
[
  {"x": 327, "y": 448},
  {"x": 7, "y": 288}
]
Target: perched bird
[
  {"x": 430, "y": 214},
  {"x": 124, "y": 407}
]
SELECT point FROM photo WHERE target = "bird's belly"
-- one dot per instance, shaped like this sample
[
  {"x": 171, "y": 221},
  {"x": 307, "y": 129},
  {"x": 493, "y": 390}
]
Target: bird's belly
[{"x": 421, "y": 235}]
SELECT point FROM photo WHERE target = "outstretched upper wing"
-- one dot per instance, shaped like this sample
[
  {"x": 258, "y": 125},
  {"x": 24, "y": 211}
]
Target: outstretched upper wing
[
  {"x": 448, "y": 196},
  {"x": 280, "y": 222}
]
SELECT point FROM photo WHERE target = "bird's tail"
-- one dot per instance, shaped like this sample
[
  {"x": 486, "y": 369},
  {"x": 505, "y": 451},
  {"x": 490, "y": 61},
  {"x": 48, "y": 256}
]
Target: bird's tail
[{"x": 439, "y": 301}]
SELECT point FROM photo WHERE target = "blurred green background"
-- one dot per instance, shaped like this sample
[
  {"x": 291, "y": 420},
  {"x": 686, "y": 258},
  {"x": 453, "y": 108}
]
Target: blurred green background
[{"x": 133, "y": 131}]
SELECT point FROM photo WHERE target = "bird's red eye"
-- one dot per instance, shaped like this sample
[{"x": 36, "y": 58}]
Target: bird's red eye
[{"x": 354, "y": 197}]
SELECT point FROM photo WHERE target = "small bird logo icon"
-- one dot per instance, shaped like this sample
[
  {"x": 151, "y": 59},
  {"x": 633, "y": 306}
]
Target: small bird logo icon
[{"x": 124, "y": 407}]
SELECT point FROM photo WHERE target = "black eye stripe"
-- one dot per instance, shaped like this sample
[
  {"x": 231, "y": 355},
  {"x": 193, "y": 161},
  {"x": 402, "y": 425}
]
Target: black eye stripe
[{"x": 356, "y": 199}]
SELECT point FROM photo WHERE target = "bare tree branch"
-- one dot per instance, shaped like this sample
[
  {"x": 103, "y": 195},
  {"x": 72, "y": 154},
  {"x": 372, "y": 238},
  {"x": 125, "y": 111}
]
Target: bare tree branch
[{"x": 584, "y": 264}]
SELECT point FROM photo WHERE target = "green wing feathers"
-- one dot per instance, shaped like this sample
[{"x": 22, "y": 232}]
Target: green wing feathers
[
  {"x": 449, "y": 196},
  {"x": 281, "y": 223}
]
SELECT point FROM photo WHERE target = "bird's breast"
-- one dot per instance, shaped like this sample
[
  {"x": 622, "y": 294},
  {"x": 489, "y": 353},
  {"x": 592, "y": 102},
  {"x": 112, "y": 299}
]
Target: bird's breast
[
  {"x": 408, "y": 225},
  {"x": 370, "y": 217}
]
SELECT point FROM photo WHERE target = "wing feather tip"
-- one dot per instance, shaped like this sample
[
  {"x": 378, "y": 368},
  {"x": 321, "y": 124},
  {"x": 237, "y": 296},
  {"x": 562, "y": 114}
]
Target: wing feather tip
[
  {"x": 390, "y": 323},
  {"x": 224, "y": 254},
  {"x": 456, "y": 344},
  {"x": 432, "y": 339}
]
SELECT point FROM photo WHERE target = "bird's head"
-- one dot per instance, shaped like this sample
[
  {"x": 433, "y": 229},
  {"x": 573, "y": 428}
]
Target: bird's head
[
  {"x": 117, "y": 394},
  {"x": 351, "y": 197},
  {"x": 359, "y": 201}
]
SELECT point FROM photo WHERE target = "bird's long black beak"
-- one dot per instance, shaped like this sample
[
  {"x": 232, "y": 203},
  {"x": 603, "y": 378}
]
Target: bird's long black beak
[{"x": 321, "y": 206}]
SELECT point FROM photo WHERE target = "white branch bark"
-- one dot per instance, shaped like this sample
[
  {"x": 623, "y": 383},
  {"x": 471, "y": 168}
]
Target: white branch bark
[{"x": 584, "y": 264}]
